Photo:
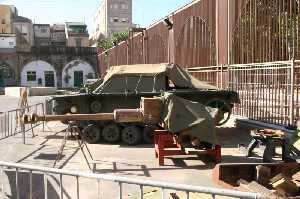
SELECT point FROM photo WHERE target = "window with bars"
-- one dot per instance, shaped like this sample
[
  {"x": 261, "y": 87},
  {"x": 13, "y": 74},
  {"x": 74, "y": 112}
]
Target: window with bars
[{"x": 31, "y": 76}]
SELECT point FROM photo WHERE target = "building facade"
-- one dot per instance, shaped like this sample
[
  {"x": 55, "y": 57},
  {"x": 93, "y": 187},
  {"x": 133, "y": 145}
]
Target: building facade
[
  {"x": 111, "y": 17},
  {"x": 7, "y": 13},
  {"x": 58, "y": 35},
  {"x": 43, "y": 55},
  {"x": 23, "y": 29},
  {"x": 42, "y": 34},
  {"x": 77, "y": 34}
]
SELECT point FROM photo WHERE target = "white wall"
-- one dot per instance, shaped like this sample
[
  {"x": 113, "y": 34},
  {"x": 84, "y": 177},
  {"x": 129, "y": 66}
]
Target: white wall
[
  {"x": 40, "y": 67},
  {"x": 76, "y": 65},
  {"x": 8, "y": 42}
]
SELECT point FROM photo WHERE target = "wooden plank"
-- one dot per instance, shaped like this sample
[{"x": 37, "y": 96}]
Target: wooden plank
[{"x": 286, "y": 187}]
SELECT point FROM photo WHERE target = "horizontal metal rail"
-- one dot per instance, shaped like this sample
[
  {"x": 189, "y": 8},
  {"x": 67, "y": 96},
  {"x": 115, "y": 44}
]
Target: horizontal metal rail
[
  {"x": 10, "y": 121},
  {"x": 121, "y": 181},
  {"x": 269, "y": 92}
]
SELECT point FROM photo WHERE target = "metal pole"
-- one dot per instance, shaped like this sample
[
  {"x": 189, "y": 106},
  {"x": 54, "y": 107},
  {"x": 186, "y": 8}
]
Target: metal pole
[
  {"x": 2, "y": 184},
  {"x": 222, "y": 86},
  {"x": 132, "y": 181},
  {"x": 61, "y": 186},
  {"x": 23, "y": 131},
  {"x": 30, "y": 184},
  {"x": 228, "y": 32},
  {"x": 43, "y": 110},
  {"x": 45, "y": 185},
  {"x": 292, "y": 78},
  {"x": 17, "y": 184}
]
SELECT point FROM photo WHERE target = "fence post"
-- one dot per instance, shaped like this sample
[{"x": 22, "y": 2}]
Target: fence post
[
  {"x": 228, "y": 76},
  {"x": 23, "y": 131},
  {"x": 43, "y": 110},
  {"x": 292, "y": 81},
  {"x": 222, "y": 86}
]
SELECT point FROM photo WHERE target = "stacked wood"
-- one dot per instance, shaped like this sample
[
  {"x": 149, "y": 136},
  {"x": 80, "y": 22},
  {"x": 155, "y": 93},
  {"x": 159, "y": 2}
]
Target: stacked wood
[
  {"x": 282, "y": 185},
  {"x": 285, "y": 185},
  {"x": 258, "y": 188}
]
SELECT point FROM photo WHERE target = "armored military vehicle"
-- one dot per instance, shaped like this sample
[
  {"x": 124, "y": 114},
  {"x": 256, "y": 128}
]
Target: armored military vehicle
[{"x": 123, "y": 87}]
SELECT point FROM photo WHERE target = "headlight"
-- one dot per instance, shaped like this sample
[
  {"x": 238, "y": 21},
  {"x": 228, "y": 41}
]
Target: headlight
[{"x": 74, "y": 109}]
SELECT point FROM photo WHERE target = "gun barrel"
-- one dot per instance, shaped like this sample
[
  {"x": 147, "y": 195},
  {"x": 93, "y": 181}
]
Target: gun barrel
[
  {"x": 119, "y": 115},
  {"x": 75, "y": 117}
]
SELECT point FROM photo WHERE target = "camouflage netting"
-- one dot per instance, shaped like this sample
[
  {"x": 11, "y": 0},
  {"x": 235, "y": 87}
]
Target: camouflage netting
[{"x": 189, "y": 118}]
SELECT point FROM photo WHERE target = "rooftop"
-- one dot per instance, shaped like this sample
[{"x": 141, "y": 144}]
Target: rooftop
[
  {"x": 22, "y": 19},
  {"x": 75, "y": 24},
  {"x": 48, "y": 25}
]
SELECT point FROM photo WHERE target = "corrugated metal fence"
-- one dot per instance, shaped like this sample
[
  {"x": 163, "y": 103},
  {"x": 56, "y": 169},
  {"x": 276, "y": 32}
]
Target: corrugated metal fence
[
  {"x": 191, "y": 38},
  {"x": 257, "y": 31}
]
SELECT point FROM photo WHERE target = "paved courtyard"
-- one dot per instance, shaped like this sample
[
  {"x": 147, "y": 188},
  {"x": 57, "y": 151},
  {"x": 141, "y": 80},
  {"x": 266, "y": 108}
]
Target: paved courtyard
[{"x": 135, "y": 162}]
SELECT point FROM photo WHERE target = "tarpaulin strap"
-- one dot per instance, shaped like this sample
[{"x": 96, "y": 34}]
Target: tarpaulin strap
[
  {"x": 137, "y": 85},
  {"x": 126, "y": 86},
  {"x": 154, "y": 83}
]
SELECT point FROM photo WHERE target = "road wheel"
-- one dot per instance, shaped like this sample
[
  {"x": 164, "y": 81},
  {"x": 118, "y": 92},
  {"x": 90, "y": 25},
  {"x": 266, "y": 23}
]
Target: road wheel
[
  {"x": 111, "y": 133},
  {"x": 96, "y": 106},
  {"x": 132, "y": 135},
  {"x": 148, "y": 134},
  {"x": 224, "y": 110},
  {"x": 91, "y": 134}
]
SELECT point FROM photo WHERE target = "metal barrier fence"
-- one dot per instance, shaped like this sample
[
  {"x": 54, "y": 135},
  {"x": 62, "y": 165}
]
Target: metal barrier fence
[
  {"x": 269, "y": 92},
  {"x": 10, "y": 124},
  {"x": 17, "y": 170}
]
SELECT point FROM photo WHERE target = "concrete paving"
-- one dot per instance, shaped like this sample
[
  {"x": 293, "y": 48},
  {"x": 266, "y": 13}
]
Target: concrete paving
[
  {"x": 134, "y": 162},
  {"x": 8, "y": 103}
]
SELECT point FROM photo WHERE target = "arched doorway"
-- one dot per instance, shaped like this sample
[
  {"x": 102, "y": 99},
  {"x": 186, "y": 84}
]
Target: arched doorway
[
  {"x": 38, "y": 73},
  {"x": 7, "y": 75},
  {"x": 195, "y": 45},
  {"x": 76, "y": 73}
]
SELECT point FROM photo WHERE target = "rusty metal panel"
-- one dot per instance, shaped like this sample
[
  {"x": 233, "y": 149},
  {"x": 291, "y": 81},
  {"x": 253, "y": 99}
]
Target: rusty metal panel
[
  {"x": 266, "y": 30},
  {"x": 122, "y": 54},
  {"x": 195, "y": 45},
  {"x": 157, "y": 44},
  {"x": 102, "y": 63},
  {"x": 194, "y": 33},
  {"x": 137, "y": 56},
  {"x": 112, "y": 57}
]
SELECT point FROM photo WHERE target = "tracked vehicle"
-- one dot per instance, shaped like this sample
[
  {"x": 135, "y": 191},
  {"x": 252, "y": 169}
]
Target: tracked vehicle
[{"x": 123, "y": 87}]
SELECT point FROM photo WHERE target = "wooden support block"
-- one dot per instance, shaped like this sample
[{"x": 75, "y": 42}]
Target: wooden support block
[
  {"x": 255, "y": 187},
  {"x": 296, "y": 176},
  {"x": 286, "y": 187},
  {"x": 277, "y": 178},
  {"x": 263, "y": 175}
]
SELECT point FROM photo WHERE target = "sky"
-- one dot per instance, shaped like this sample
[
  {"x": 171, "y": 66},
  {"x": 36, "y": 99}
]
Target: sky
[{"x": 145, "y": 12}]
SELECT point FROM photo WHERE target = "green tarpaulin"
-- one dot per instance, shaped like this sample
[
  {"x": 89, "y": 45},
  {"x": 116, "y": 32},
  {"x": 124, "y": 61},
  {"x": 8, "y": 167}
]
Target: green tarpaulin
[{"x": 189, "y": 118}]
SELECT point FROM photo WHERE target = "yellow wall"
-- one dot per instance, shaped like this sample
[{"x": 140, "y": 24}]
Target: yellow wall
[{"x": 5, "y": 19}]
